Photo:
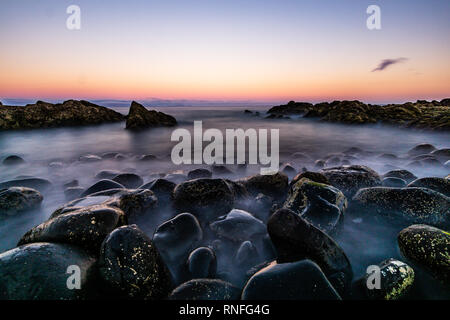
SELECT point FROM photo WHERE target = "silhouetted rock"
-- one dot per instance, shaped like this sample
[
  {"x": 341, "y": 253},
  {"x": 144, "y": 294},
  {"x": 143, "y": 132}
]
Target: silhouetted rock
[
  {"x": 140, "y": 118},
  {"x": 13, "y": 160}
]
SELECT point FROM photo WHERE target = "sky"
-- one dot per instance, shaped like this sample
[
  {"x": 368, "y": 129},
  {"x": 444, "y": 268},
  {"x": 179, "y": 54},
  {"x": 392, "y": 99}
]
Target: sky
[{"x": 315, "y": 50}]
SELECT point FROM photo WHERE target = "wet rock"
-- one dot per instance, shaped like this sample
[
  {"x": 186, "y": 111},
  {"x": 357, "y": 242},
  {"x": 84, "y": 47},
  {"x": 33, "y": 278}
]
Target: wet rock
[
  {"x": 427, "y": 246},
  {"x": 13, "y": 160},
  {"x": 442, "y": 154},
  {"x": 393, "y": 182},
  {"x": 415, "y": 205},
  {"x": 401, "y": 174},
  {"x": 247, "y": 255},
  {"x": 319, "y": 164},
  {"x": 300, "y": 156},
  {"x": 177, "y": 237},
  {"x": 70, "y": 184},
  {"x": 289, "y": 170},
  {"x": 294, "y": 239},
  {"x": 333, "y": 161},
  {"x": 275, "y": 186},
  {"x": 107, "y": 174},
  {"x": 130, "y": 264},
  {"x": 421, "y": 149},
  {"x": 148, "y": 157},
  {"x": 102, "y": 185},
  {"x": 90, "y": 158},
  {"x": 300, "y": 280},
  {"x": 202, "y": 263},
  {"x": 396, "y": 279},
  {"x": 86, "y": 227},
  {"x": 18, "y": 199},
  {"x": 140, "y": 118},
  {"x": 162, "y": 188},
  {"x": 322, "y": 214},
  {"x": 176, "y": 178},
  {"x": 199, "y": 173},
  {"x": 238, "y": 225},
  {"x": 205, "y": 289},
  {"x": 387, "y": 156},
  {"x": 47, "y": 115},
  {"x": 38, "y": 271},
  {"x": 220, "y": 170},
  {"x": 260, "y": 207},
  {"x": 72, "y": 193},
  {"x": 129, "y": 180},
  {"x": 349, "y": 179},
  {"x": 207, "y": 199},
  {"x": 34, "y": 183},
  {"x": 437, "y": 184},
  {"x": 109, "y": 155}
]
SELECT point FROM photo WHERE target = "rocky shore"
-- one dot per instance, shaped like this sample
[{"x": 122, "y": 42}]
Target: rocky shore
[
  {"x": 228, "y": 235},
  {"x": 434, "y": 115}
]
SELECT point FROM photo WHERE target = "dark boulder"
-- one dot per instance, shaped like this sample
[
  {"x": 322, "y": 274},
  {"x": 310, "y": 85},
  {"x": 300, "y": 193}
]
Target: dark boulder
[
  {"x": 89, "y": 158},
  {"x": 13, "y": 160},
  {"x": 199, "y": 173},
  {"x": 414, "y": 205},
  {"x": 421, "y": 149},
  {"x": 427, "y": 246},
  {"x": 102, "y": 185},
  {"x": 220, "y": 170},
  {"x": 73, "y": 193},
  {"x": 40, "y": 271},
  {"x": 247, "y": 255},
  {"x": 34, "y": 183},
  {"x": 18, "y": 199},
  {"x": 207, "y": 199},
  {"x": 275, "y": 185},
  {"x": 349, "y": 179},
  {"x": 205, "y": 289},
  {"x": 393, "y": 182},
  {"x": 140, "y": 118},
  {"x": 130, "y": 264},
  {"x": 401, "y": 174},
  {"x": 437, "y": 184},
  {"x": 300, "y": 280},
  {"x": 442, "y": 154},
  {"x": 129, "y": 180},
  {"x": 202, "y": 263},
  {"x": 162, "y": 188},
  {"x": 294, "y": 239},
  {"x": 107, "y": 174},
  {"x": 313, "y": 176}
]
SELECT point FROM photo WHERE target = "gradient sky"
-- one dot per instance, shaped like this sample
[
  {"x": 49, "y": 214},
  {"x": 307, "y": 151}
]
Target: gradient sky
[{"x": 229, "y": 50}]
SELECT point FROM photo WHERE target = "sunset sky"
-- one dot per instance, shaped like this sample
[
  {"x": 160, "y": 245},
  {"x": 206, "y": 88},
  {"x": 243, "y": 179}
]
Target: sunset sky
[{"x": 225, "y": 50}]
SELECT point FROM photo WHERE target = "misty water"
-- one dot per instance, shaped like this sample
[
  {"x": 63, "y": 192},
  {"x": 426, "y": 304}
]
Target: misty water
[{"x": 364, "y": 241}]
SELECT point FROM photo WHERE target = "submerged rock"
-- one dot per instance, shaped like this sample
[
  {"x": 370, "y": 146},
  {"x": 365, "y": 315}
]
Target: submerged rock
[
  {"x": 205, "y": 289},
  {"x": 140, "y": 118},
  {"x": 129, "y": 180},
  {"x": 393, "y": 182},
  {"x": 207, "y": 199},
  {"x": 40, "y": 271},
  {"x": 199, "y": 173},
  {"x": 349, "y": 179},
  {"x": 130, "y": 264},
  {"x": 294, "y": 239},
  {"x": 13, "y": 160},
  {"x": 107, "y": 174},
  {"x": 300, "y": 280},
  {"x": 437, "y": 184},
  {"x": 18, "y": 199},
  {"x": 427, "y": 246},
  {"x": 275, "y": 185},
  {"x": 421, "y": 149},
  {"x": 202, "y": 263},
  {"x": 417, "y": 205},
  {"x": 401, "y": 174},
  {"x": 34, "y": 183},
  {"x": 102, "y": 185}
]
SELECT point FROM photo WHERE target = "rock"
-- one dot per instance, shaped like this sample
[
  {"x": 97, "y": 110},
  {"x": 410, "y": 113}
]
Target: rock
[
  {"x": 140, "y": 118},
  {"x": 107, "y": 174},
  {"x": 86, "y": 227},
  {"x": 129, "y": 180},
  {"x": 162, "y": 188},
  {"x": 220, "y": 170},
  {"x": 199, "y": 173},
  {"x": 289, "y": 170},
  {"x": 238, "y": 225},
  {"x": 387, "y": 156},
  {"x": 437, "y": 184},
  {"x": 34, "y": 183},
  {"x": 393, "y": 182},
  {"x": 130, "y": 264},
  {"x": 102, "y": 185},
  {"x": 319, "y": 164},
  {"x": 261, "y": 206},
  {"x": 421, "y": 149},
  {"x": 13, "y": 160},
  {"x": 90, "y": 158},
  {"x": 300, "y": 280},
  {"x": 47, "y": 115},
  {"x": 207, "y": 199},
  {"x": 442, "y": 154},
  {"x": 294, "y": 239},
  {"x": 109, "y": 155},
  {"x": 40, "y": 271},
  {"x": 247, "y": 255},
  {"x": 205, "y": 289},
  {"x": 275, "y": 186},
  {"x": 177, "y": 237},
  {"x": 313, "y": 176},
  {"x": 427, "y": 246},
  {"x": 18, "y": 199},
  {"x": 72, "y": 193},
  {"x": 415, "y": 205},
  {"x": 401, "y": 174},
  {"x": 396, "y": 279},
  {"x": 202, "y": 263},
  {"x": 322, "y": 214},
  {"x": 349, "y": 179},
  {"x": 71, "y": 184}
]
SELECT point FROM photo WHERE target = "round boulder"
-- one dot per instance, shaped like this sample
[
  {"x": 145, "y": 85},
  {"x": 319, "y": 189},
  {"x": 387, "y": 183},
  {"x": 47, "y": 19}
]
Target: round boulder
[{"x": 18, "y": 199}]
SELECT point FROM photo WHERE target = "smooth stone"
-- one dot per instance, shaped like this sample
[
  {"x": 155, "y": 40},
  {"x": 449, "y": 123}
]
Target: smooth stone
[
  {"x": 401, "y": 174},
  {"x": 107, "y": 174},
  {"x": 421, "y": 149},
  {"x": 393, "y": 182},
  {"x": 205, "y": 289},
  {"x": 13, "y": 160},
  {"x": 72, "y": 193},
  {"x": 199, "y": 173},
  {"x": 162, "y": 188},
  {"x": 434, "y": 183},
  {"x": 220, "y": 170},
  {"x": 202, "y": 263},
  {"x": 129, "y": 180},
  {"x": 176, "y": 178},
  {"x": 102, "y": 185},
  {"x": 247, "y": 255},
  {"x": 34, "y": 183},
  {"x": 275, "y": 185},
  {"x": 18, "y": 199},
  {"x": 89, "y": 158}
]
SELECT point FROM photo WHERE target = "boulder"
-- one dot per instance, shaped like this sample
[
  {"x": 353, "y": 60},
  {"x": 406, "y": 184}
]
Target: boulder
[
  {"x": 41, "y": 271},
  {"x": 13, "y": 160},
  {"x": 131, "y": 265},
  {"x": 349, "y": 179},
  {"x": 294, "y": 239},
  {"x": 73, "y": 193},
  {"x": 275, "y": 185},
  {"x": 199, "y": 173},
  {"x": 401, "y": 174},
  {"x": 102, "y": 185},
  {"x": 393, "y": 182},
  {"x": 313, "y": 176},
  {"x": 300, "y": 280},
  {"x": 247, "y": 255},
  {"x": 129, "y": 180},
  {"x": 90, "y": 158},
  {"x": 140, "y": 118},
  {"x": 18, "y": 199},
  {"x": 421, "y": 149},
  {"x": 427, "y": 246},
  {"x": 41, "y": 185},
  {"x": 437, "y": 184},
  {"x": 207, "y": 199},
  {"x": 415, "y": 205},
  {"x": 107, "y": 174},
  {"x": 442, "y": 154},
  {"x": 162, "y": 188},
  {"x": 205, "y": 289},
  {"x": 202, "y": 263},
  {"x": 47, "y": 115}
]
